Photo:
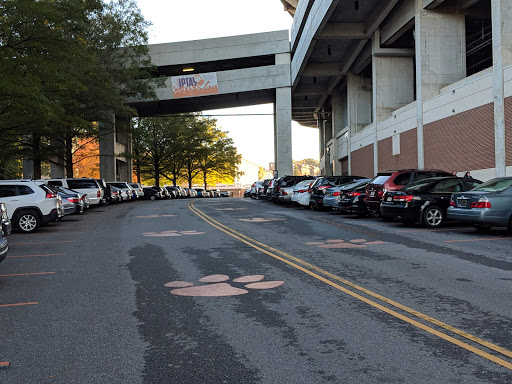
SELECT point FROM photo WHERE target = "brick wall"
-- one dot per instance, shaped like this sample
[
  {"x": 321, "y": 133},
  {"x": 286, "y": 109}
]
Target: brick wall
[
  {"x": 408, "y": 157},
  {"x": 508, "y": 130},
  {"x": 362, "y": 162},
  {"x": 461, "y": 142}
]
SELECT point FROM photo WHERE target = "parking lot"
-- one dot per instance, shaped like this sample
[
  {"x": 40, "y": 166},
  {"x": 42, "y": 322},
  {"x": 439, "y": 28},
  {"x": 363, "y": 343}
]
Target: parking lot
[{"x": 361, "y": 300}]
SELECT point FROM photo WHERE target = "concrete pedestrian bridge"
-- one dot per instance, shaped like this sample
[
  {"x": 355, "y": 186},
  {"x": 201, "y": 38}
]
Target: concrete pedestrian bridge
[{"x": 222, "y": 73}]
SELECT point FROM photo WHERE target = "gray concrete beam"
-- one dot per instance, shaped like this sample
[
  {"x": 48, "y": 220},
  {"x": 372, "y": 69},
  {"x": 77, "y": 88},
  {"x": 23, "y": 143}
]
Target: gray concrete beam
[{"x": 343, "y": 31}]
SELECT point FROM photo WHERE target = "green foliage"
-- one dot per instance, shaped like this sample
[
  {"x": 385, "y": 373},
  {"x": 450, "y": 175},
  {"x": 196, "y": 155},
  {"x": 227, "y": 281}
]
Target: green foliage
[
  {"x": 65, "y": 64},
  {"x": 183, "y": 147}
]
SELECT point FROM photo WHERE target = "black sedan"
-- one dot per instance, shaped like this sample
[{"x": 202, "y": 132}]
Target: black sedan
[
  {"x": 352, "y": 201},
  {"x": 425, "y": 200}
]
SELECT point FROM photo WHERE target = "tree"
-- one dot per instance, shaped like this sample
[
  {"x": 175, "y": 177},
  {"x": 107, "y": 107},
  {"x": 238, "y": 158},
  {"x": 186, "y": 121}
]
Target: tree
[
  {"x": 65, "y": 64},
  {"x": 218, "y": 157}
]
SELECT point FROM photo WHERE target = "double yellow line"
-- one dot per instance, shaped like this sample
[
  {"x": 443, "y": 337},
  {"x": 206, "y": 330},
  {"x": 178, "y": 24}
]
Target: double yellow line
[{"x": 334, "y": 281}]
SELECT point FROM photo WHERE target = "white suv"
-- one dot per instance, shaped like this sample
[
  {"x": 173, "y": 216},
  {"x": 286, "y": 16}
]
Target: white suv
[
  {"x": 29, "y": 204},
  {"x": 87, "y": 186}
]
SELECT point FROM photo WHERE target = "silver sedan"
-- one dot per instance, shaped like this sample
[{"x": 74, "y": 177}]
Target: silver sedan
[{"x": 486, "y": 206}]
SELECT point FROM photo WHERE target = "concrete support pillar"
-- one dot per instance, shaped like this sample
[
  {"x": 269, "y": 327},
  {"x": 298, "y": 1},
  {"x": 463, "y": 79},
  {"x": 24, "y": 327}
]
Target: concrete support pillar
[
  {"x": 337, "y": 126},
  {"x": 57, "y": 168},
  {"x": 502, "y": 56},
  {"x": 283, "y": 131},
  {"x": 440, "y": 50},
  {"x": 107, "y": 144},
  {"x": 359, "y": 109},
  {"x": 392, "y": 84},
  {"x": 329, "y": 144},
  {"x": 321, "y": 143}
]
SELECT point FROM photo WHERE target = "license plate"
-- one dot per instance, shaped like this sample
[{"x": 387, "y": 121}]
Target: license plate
[
  {"x": 462, "y": 203},
  {"x": 389, "y": 198},
  {"x": 372, "y": 193}
]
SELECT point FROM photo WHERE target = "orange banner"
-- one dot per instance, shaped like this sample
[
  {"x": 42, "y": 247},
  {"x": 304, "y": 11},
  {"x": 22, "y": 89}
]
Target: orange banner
[{"x": 194, "y": 85}]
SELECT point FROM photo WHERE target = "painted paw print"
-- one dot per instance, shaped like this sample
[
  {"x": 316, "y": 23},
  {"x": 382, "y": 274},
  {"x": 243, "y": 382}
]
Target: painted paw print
[
  {"x": 259, "y": 220},
  {"x": 335, "y": 243},
  {"x": 171, "y": 233},
  {"x": 153, "y": 216},
  {"x": 218, "y": 287},
  {"x": 231, "y": 209}
]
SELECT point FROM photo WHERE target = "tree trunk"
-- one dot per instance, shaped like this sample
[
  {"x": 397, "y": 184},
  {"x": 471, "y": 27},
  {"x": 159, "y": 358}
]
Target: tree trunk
[
  {"x": 36, "y": 154},
  {"x": 68, "y": 156}
]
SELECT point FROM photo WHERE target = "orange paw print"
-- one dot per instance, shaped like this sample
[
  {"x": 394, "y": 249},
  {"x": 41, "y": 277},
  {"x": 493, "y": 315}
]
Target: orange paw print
[
  {"x": 335, "y": 243},
  {"x": 218, "y": 286}
]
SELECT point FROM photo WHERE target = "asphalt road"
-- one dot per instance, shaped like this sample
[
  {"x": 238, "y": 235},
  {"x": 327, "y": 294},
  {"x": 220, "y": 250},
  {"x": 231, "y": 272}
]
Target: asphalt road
[{"x": 246, "y": 291}]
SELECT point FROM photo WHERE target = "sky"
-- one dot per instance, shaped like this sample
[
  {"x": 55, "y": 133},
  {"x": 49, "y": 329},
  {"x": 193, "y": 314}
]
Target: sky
[{"x": 174, "y": 20}]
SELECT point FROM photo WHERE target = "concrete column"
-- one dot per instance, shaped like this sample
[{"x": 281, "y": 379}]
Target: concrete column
[
  {"x": 328, "y": 147},
  {"x": 440, "y": 50},
  {"x": 57, "y": 169},
  {"x": 337, "y": 126},
  {"x": 321, "y": 142},
  {"x": 392, "y": 84},
  {"x": 359, "y": 109},
  {"x": 283, "y": 131},
  {"x": 502, "y": 56},
  {"x": 107, "y": 144}
]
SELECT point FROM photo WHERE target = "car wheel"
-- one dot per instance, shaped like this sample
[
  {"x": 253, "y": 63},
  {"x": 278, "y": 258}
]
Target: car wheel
[
  {"x": 28, "y": 221},
  {"x": 152, "y": 198},
  {"x": 484, "y": 228},
  {"x": 433, "y": 217}
]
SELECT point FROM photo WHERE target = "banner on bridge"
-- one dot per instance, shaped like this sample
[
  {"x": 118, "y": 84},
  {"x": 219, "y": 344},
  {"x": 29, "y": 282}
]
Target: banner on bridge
[{"x": 198, "y": 84}]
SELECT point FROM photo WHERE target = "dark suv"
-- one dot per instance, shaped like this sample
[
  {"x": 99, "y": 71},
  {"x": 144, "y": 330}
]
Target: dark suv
[
  {"x": 322, "y": 183},
  {"x": 393, "y": 181}
]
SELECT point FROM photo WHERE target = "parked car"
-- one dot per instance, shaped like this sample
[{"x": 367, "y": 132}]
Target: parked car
[
  {"x": 201, "y": 192},
  {"x": 226, "y": 194},
  {"x": 122, "y": 194},
  {"x": 138, "y": 189},
  {"x": 486, "y": 206},
  {"x": 262, "y": 192},
  {"x": 333, "y": 194},
  {"x": 123, "y": 185},
  {"x": 425, "y": 201},
  {"x": 29, "y": 204},
  {"x": 300, "y": 194},
  {"x": 352, "y": 200},
  {"x": 4, "y": 245},
  {"x": 106, "y": 191},
  {"x": 247, "y": 193},
  {"x": 94, "y": 191},
  {"x": 270, "y": 189},
  {"x": 5, "y": 223},
  {"x": 393, "y": 181},
  {"x": 286, "y": 181},
  {"x": 256, "y": 188},
  {"x": 152, "y": 193},
  {"x": 321, "y": 184},
  {"x": 72, "y": 201}
]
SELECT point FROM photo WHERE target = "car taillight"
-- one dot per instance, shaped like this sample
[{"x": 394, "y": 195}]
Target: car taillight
[
  {"x": 284, "y": 193},
  {"x": 336, "y": 193},
  {"x": 51, "y": 195},
  {"x": 353, "y": 194},
  {"x": 481, "y": 203},
  {"x": 452, "y": 203},
  {"x": 98, "y": 193},
  {"x": 406, "y": 198},
  {"x": 324, "y": 186},
  {"x": 380, "y": 193},
  {"x": 73, "y": 199}
]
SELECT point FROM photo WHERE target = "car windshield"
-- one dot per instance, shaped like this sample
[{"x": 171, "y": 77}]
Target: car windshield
[
  {"x": 417, "y": 185},
  {"x": 494, "y": 185},
  {"x": 82, "y": 183}
]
